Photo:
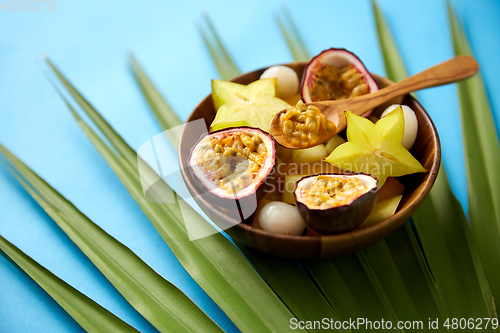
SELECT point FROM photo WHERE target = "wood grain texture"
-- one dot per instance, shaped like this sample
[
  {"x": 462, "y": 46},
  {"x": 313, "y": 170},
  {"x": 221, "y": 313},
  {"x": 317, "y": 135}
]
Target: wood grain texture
[
  {"x": 426, "y": 150},
  {"x": 453, "y": 70}
]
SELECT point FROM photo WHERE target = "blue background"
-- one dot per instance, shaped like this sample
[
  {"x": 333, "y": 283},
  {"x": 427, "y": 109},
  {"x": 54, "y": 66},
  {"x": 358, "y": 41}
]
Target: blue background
[{"x": 90, "y": 42}]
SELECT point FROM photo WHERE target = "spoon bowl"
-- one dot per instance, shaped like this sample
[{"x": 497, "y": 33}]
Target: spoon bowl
[
  {"x": 453, "y": 70},
  {"x": 426, "y": 150}
]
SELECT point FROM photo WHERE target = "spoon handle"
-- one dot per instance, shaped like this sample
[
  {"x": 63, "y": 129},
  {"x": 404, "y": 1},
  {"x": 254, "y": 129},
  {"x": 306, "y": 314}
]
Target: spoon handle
[{"x": 453, "y": 70}]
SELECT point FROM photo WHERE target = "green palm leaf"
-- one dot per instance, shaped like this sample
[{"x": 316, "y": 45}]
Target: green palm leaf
[
  {"x": 396, "y": 294},
  {"x": 223, "y": 61},
  {"x": 394, "y": 66},
  {"x": 442, "y": 226},
  {"x": 388, "y": 280},
  {"x": 90, "y": 315},
  {"x": 343, "y": 281},
  {"x": 406, "y": 252},
  {"x": 161, "y": 109},
  {"x": 292, "y": 35},
  {"x": 293, "y": 286},
  {"x": 350, "y": 289},
  {"x": 160, "y": 302},
  {"x": 275, "y": 280},
  {"x": 285, "y": 277},
  {"x": 482, "y": 158},
  {"x": 213, "y": 262},
  {"x": 451, "y": 254}
]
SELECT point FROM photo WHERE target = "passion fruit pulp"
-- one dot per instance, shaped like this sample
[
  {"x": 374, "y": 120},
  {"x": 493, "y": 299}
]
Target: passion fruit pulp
[
  {"x": 336, "y": 74},
  {"x": 302, "y": 125},
  {"x": 231, "y": 166},
  {"x": 331, "y": 204}
]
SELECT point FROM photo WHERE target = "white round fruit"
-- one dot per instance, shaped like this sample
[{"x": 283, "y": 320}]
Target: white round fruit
[
  {"x": 288, "y": 81},
  {"x": 411, "y": 124},
  {"x": 281, "y": 218}
]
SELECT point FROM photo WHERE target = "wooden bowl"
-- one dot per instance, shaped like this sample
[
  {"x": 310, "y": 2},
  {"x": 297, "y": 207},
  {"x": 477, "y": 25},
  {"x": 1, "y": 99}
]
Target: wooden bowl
[{"x": 426, "y": 149}]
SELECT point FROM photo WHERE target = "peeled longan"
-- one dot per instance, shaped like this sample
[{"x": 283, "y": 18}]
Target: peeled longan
[
  {"x": 288, "y": 81},
  {"x": 281, "y": 218},
  {"x": 411, "y": 124}
]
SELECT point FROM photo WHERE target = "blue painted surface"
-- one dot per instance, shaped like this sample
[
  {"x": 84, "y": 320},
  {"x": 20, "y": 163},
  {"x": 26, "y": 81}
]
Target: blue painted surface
[{"x": 90, "y": 42}]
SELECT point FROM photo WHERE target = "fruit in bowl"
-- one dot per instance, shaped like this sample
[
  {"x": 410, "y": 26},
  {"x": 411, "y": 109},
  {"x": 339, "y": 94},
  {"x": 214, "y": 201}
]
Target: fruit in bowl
[
  {"x": 399, "y": 197},
  {"x": 331, "y": 203},
  {"x": 336, "y": 74},
  {"x": 231, "y": 166}
]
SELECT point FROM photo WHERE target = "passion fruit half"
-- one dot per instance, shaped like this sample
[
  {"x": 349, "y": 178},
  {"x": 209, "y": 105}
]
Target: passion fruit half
[
  {"x": 231, "y": 166},
  {"x": 331, "y": 203},
  {"x": 336, "y": 74}
]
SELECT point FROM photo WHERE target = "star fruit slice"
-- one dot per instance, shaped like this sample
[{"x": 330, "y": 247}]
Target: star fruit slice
[
  {"x": 375, "y": 149},
  {"x": 238, "y": 105}
]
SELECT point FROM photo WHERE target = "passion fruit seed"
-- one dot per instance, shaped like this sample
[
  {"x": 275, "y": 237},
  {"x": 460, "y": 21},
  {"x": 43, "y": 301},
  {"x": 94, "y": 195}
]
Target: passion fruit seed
[
  {"x": 336, "y": 74},
  {"x": 333, "y": 203},
  {"x": 326, "y": 192},
  {"x": 332, "y": 83},
  {"x": 226, "y": 158},
  {"x": 303, "y": 125}
]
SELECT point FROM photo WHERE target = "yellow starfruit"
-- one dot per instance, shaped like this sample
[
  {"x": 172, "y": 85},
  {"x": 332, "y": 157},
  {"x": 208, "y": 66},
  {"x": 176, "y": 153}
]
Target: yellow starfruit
[
  {"x": 375, "y": 149},
  {"x": 252, "y": 105}
]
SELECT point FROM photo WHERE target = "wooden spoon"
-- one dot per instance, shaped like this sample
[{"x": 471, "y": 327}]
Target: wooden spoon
[{"x": 453, "y": 70}]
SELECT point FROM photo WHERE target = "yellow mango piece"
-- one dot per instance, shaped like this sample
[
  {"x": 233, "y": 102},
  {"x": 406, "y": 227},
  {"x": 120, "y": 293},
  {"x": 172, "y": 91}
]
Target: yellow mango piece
[
  {"x": 293, "y": 100},
  {"x": 284, "y": 154},
  {"x": 333, "y": 143},
  {"x": 382, "y": 211},
  {"x": 391, "y": 188},
  {"x": 289, "y": 187},
  {"x": 310, "y": 155},
  {"x": 273, "y": 194}
]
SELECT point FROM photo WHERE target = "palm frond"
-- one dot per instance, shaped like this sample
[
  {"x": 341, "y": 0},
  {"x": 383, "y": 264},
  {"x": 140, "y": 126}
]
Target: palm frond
[
  {"x": 160, "y": 107},
  {"x": 285, "y": 277},
  {"x": 160, "y": 302},
  {"x": 434, "y": 271},
  {"x": 395, "y": 69},
  {"x": 482, "y": 158},
  {"x": 91, "y": 316},
  {"x": 348, "y": 287},
  {"x": 451, "y": 254},
  {"x": 225, "y": 65},
  {"x": 393, "y": 289},
  {"x": 442, "y": 227},
  {"x": 292, "y": 36},
  {"x": 293, "y": 286},
  {"x": 213, "y": 262}
]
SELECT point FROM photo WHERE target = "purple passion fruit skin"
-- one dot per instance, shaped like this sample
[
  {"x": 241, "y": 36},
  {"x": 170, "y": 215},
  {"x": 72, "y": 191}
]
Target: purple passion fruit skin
[
  {"x": 230, "y": 168},
  {"x": 336, "y": 74},
  {"x": 346, "y": 214}
]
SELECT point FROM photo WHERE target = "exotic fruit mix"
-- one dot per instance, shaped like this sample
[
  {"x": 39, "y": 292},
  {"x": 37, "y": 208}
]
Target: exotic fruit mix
[{"x": 333, "y": 187}]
